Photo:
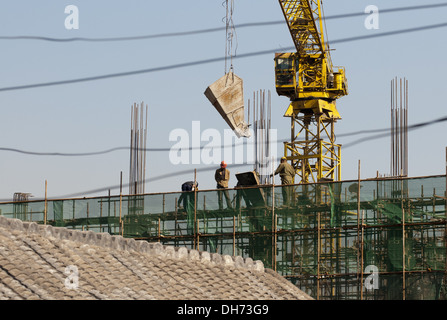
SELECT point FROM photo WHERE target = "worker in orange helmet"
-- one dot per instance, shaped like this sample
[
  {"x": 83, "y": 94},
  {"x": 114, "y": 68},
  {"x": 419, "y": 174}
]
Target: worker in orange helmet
[{"x": 222, "y": 177}]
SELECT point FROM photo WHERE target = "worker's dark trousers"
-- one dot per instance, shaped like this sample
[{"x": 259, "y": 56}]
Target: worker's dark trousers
[
  {"x": 188, "y": 205},
  {"x": 223, "y": 191}
]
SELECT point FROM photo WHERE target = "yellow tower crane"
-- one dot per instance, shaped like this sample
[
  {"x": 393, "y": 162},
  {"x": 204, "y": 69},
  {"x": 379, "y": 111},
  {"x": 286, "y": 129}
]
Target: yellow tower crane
[{"x": 308, "y": 78}]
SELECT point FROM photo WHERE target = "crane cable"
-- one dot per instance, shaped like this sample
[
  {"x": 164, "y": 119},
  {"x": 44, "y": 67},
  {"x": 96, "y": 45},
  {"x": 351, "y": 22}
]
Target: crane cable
[{"x": 230, "y": 31}]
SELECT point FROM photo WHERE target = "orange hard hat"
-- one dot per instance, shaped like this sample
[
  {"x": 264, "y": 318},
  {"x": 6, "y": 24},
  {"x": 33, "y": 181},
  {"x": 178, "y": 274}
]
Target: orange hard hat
[{"x": 223, "y": 164}]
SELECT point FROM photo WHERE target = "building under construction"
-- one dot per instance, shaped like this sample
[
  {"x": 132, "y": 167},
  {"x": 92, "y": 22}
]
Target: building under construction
[
  {"x": 382, "y": 238},
  {"x": 376, "y": 239}
]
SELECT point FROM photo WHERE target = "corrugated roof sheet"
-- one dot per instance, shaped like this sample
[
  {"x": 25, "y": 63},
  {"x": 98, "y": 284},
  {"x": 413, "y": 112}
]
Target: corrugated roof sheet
[{"x": 45, "y": 262}]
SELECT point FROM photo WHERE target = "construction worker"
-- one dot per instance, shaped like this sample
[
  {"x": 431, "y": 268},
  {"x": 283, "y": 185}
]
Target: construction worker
[
  {"x": 188, "y": 199},
  {"x": 222, "y": 177},
  {"x": 286, "y": 173},
  {"x": 185, "y": 197}
]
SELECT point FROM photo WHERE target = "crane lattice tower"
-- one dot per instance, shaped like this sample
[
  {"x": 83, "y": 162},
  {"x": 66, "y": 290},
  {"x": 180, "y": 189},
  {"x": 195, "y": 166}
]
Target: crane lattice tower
[{"x": 308, "y": 78}]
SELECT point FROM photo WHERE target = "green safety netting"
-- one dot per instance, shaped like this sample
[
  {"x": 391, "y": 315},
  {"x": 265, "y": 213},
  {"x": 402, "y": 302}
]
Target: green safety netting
[{"x": 325, "y": 238}]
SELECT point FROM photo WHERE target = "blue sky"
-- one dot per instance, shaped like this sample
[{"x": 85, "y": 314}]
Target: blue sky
[{"x": 95, "y": 115}]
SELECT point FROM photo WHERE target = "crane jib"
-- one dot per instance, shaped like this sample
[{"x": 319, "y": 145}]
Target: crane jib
[{"x": 301, "y": 17}]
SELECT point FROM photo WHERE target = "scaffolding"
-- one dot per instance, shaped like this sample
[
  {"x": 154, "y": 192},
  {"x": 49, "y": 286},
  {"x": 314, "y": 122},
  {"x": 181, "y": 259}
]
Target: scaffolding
[{"x": 375, "y": 239}]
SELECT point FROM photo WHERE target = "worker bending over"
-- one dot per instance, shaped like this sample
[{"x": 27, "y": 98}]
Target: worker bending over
[{"x": 188, "y": 199}]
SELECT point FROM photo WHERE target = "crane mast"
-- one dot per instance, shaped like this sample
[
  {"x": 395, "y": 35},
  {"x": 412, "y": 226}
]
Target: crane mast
[{"x": 308, "y": 78}]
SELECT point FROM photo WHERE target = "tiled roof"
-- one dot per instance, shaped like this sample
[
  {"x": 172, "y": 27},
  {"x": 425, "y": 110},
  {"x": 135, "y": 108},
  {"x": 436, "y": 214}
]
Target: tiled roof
[{"x": 44, "y": 262}]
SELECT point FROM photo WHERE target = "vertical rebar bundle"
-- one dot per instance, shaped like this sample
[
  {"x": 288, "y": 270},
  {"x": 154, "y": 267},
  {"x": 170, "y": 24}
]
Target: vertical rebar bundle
[
  {"x": 21, "y": 205},
  {"x": 262, "y": 113},
  {"x": 399, "y": 127},
  {"x": 138, "y": 138}
]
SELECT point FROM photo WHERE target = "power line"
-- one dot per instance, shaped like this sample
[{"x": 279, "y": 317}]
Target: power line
[
  {"x": 410, "y": 8},
  {"x": 211, "y": 60},
  {"x": 384, "y": 132},
  {"x": 215, "y": 60},
  {"x": 382, "y": 135},
  {"x": 210, "y": 30},
  {"x": 390, "y": 33},
  {"x": 182, "y": 172},
  {"x": 81, "y": 154}
]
